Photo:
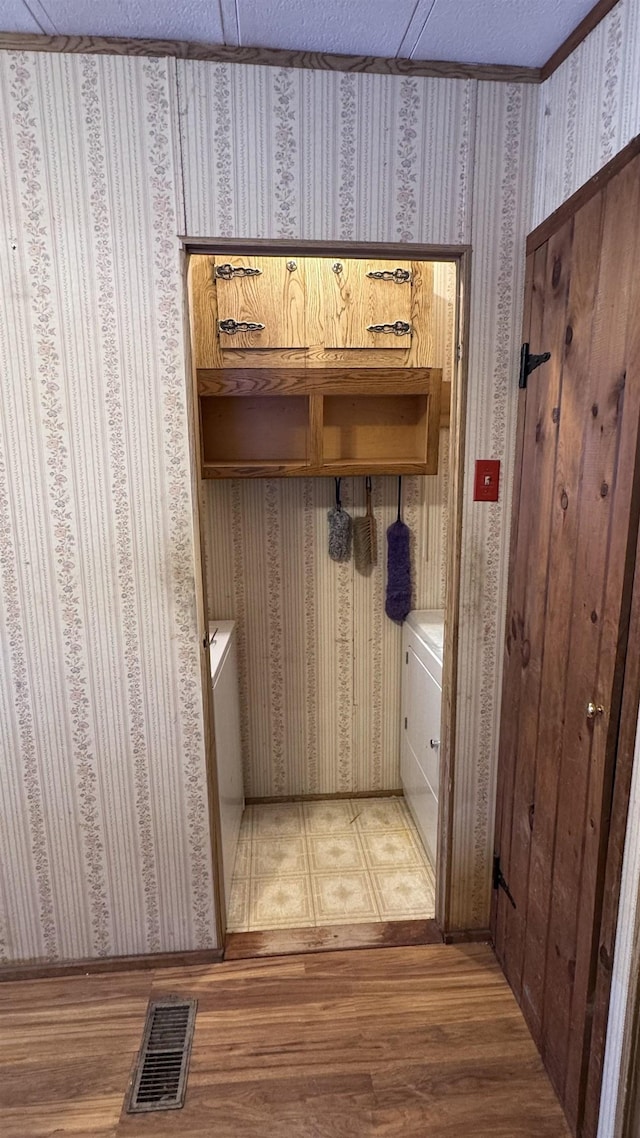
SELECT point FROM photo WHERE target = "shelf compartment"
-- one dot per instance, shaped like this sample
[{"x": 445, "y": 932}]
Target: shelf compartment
[
  {"x": 377, "y": 429},
  {"x": 255, "y": 430}
]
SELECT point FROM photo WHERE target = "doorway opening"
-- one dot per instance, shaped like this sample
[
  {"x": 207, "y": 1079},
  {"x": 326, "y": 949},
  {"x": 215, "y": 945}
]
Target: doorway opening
[{"x": 326, "y": 380}]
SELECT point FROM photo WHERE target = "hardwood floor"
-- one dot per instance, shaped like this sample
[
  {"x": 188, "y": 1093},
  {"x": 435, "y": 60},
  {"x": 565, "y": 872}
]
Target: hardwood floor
[{"x": 419, "y": 1042}]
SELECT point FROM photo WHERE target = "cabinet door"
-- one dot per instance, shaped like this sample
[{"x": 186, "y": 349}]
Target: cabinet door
[
  {"x": 354, "y": 300},
  {"x": 274, "y": 297}
]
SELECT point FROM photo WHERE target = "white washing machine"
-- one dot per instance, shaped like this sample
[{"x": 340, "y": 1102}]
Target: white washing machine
[{"x": 422, "y": 644}]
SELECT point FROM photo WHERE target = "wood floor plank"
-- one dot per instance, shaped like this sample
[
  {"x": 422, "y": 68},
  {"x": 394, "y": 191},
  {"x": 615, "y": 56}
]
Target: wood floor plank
[{"x": 412, "y": 1041}]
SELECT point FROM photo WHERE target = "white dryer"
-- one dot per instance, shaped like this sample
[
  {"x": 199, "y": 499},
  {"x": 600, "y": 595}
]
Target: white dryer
[{"x": 422, "y": 644}]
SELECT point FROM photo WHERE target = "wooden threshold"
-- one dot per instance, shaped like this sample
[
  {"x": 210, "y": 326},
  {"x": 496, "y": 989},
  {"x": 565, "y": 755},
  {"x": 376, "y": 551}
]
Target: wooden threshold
[
  {"x": 290, "y": 942},
  {"x": 337, "y": 795},
  {"x": 46, "y": 970}
]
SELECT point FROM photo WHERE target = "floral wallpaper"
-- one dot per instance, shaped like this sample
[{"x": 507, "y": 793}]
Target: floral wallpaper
[
  {"x": 373, "y": 158},
  {"x": 104, "y": 845},
  {"x": 104, "y": 842},
  {"x": 589, "y": 109},
  {"x": 319, "y": 661}
]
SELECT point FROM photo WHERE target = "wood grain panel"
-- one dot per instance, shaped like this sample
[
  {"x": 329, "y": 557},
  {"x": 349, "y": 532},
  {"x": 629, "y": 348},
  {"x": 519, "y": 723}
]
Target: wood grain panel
[
  {"x": 612, "y": 491},
  {"x": 275, "y": 298},
  {"x": 316, "y": 381},
  {"x": 353, "y": 301},
  {"x": 525, "y": 634},
  {"x": 620, "y": 794},
  {"x": 412, "y": 1041},
  {"x": 556, "y": 848},
  {"x": 580, "y": 282},
  {"x": 203, "y": 311}
]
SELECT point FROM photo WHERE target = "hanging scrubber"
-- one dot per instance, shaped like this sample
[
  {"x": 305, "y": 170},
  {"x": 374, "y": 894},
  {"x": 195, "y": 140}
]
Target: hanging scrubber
[
  {"x": 398, "y": 604},
  {"x": 339, "y": 529},
  {"x": 364, "y": 536}
]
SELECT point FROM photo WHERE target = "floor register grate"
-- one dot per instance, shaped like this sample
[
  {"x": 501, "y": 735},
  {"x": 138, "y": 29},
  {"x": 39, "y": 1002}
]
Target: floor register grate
[{"x": 160, "y": 1077}]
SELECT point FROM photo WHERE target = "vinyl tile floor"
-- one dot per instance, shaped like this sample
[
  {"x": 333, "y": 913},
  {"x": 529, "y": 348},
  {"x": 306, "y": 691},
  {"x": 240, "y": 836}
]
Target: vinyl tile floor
[{"x": 306, "y": 864}]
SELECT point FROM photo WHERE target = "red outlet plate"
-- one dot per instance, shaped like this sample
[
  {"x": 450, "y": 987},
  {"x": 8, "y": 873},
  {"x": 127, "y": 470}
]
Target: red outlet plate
[{"x": 487, "y": 481}]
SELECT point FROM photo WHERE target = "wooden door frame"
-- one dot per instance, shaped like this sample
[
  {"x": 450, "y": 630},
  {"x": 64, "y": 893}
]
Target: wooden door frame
[
  {"x": 461, "y": 255},
  {"x": 622, "y": 1005}
]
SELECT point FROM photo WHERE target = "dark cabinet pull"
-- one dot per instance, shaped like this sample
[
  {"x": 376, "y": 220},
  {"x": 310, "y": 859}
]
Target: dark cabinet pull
[
  {"x": 227, "y": 272},
  {"x": 231, "y": 327},
  {"x": 399, "y": 328},
  {"x": 400, "y": 276}
]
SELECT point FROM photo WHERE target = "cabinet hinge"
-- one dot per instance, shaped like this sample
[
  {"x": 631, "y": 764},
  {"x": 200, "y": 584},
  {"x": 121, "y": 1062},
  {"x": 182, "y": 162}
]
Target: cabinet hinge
[
  {"x": 529, "y": 363},
  {"x": 499, "y": 879}
]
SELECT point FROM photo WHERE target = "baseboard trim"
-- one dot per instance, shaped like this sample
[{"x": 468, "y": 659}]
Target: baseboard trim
[
  {"x": 48, "y": 970},
  {"x": 336, "y": 795},
  {"x": 335, "y": 938},
  {"x": 469, "y": 936}
]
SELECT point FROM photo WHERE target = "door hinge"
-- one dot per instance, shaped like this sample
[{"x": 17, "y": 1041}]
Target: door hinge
[
  {"x": 499, "y": 880},
  {"x": 405, "y": 723},
  {"x": 406, "y": 657},
  {"x": 529, "y": 363}
]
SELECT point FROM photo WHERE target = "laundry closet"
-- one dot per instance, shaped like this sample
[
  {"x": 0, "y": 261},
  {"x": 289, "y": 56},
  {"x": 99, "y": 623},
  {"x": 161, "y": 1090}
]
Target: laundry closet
[{"x": 322, "y": 392}]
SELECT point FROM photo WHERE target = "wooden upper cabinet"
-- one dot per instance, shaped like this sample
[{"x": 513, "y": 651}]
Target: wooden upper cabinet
[
  {"x": 361, "y": 294},
  {"x": 260, "y": 290}
]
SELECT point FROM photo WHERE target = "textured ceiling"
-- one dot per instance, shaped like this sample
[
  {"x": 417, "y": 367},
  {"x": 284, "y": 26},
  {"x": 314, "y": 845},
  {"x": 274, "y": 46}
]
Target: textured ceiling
[{"x": 524, "y": 32}]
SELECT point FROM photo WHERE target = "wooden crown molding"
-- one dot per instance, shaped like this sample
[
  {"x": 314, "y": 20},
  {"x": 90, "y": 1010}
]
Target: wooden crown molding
[
  {"x": 575, "y": 38},
  {"x": 267, "y": 57},
  {"x": 310, "y": 60}
]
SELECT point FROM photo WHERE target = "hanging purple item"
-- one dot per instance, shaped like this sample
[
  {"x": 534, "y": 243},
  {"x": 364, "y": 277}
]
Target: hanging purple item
[{"x": 398, "y": 602}]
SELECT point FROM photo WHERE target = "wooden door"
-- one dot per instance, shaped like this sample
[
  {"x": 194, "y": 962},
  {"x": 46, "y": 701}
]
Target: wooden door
[
  {"x": 575, "y": 524},
  {"x": 272, "y": 295},
  {"x": 363, "y": 295}
]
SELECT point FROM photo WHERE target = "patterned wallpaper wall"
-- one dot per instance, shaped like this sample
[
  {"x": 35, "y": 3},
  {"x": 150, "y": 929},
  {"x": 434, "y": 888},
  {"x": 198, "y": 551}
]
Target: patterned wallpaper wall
[
  {"x": 104, "y": 846},
  {"x": 589, "y": 108},
  {"x": 104, "y": 843},
  {"x": 319, "y": 661},
  {"x": 383, "y": 158}
]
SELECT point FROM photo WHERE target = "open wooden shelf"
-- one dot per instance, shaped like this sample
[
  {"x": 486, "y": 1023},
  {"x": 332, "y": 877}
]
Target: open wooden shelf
[
  {"x": 375, "y": 428},
  {"x": 255, "y": 429},
  {"x": 319, "y": 422}
]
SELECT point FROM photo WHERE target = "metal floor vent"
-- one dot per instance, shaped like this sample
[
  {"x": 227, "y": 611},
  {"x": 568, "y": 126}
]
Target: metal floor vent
[{"x": 160, "y": 1076}]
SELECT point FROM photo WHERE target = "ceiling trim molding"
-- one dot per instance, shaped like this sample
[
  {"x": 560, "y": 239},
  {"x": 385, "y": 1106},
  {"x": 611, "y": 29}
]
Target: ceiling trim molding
[
  {"x": 267, "y": 57},
  {"x": 575, "y": 38},
  {"x": 310, "y": 60}
]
